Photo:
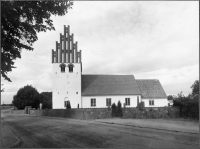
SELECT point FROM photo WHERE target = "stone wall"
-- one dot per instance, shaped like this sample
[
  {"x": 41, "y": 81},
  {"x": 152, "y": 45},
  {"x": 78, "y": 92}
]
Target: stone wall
[
  {"x": 149, "y": 112},
  {"x": 88, "y": 113},
  {"x": 18, "y": 111},
  {"x": 102, "y": 113}
]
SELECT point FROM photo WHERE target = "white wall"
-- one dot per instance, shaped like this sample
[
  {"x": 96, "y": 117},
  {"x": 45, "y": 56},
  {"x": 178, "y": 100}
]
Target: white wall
[
  {"x": 101, "y": 100},
  {"x": 157, "y": 102},
  {"x": 65, "y": 86}
]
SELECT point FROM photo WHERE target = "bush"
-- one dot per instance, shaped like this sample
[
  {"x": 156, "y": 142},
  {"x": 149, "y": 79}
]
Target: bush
[
  {"x": 141, "y": 106},
  {"x": 119, "y": 109},
  {"x": 189, "y": 108},
  {"x": 114, "y": 108}
]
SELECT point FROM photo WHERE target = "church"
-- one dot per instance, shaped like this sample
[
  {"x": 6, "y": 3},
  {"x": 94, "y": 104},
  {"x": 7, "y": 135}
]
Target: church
[{"x": 97, "y": 91}]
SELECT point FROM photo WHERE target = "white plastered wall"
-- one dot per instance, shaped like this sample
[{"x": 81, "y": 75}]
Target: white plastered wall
[
  {"x": 158, "y": 102},
  {"x": 101, "y": 100},
  {"x": 66, "y": 86}
]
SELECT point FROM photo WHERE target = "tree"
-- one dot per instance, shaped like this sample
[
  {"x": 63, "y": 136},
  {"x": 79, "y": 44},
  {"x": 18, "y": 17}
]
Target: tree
[
  {"x": 188, "y": 105},
  {"x": 26, "y": 96},
  {"x": 170, "y": 97},
  {"x": 179, "y": 101},
  {"x": 195, "y": 89},
  {"x": 2, "y": 89},
  {"x": 119, "y": 109},
  {"x": 114, "y": 107},
  {"x": 20, "y": 23},
  {"x": 46, "y": 100}
]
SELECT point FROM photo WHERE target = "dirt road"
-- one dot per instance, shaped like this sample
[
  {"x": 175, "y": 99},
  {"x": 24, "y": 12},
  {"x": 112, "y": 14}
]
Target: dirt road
[{"x": 47, "y": 132}]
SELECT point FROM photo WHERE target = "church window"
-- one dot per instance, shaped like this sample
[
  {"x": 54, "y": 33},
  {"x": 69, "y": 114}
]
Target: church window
[
  {"x": 70, "y": 68},
  {"x": 93, "y": 102},
  {"x": 151, "y": 102},
  {"x": 127, "y": 101},
  {"x": 108, "y": 101},
  {"x": 62, "y": 66},
  {"x": 76, "y": 92}
]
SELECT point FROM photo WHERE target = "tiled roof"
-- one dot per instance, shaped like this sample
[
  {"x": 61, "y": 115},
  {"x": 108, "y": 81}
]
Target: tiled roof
[
  {"x": 151, "y": 88},
  {"x": 109, "y": 85}
]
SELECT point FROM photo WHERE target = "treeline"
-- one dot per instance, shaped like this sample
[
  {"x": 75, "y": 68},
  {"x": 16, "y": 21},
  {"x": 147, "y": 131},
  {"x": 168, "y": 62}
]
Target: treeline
[
  {"x": 7, "y": 104},
  {"x": 29, "y": 96},
  {"x": 188, "y": 105}
]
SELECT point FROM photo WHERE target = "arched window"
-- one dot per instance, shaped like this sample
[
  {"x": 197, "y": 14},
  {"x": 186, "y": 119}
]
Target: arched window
[
  {"x": 70, "y": 67},
  {"x": 62, "y": 66}
]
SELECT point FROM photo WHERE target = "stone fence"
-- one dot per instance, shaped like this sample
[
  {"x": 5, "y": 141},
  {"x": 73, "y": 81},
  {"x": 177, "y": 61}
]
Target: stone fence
[
  {"x": 102, "y": 113},
  {"x": 83, "y": 114},
  {"x": 18, "y": 111},
  {"x": 151, "y": 112}
]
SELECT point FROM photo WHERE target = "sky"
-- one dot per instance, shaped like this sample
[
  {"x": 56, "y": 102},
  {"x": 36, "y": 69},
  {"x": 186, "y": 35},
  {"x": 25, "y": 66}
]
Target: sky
[{"x": 147, "y": 39}]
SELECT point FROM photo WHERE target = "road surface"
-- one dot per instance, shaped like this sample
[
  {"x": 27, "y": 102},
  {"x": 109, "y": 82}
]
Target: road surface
[{"x": 48, "y": 132}]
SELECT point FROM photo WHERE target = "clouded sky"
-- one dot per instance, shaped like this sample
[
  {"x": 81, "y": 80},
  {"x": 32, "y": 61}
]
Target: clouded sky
[{"x": 148, "y": 39}]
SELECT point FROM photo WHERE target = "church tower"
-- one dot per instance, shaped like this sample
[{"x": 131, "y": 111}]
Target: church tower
[{"x": 67, "y": 69}]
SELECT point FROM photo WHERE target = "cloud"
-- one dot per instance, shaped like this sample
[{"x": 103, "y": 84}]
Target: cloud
[
  {"x": 158, "y": 40},
  {"x": 174, "y": 80}
]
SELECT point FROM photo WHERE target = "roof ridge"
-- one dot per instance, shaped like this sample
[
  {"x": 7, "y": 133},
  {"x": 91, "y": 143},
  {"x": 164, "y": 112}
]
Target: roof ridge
[
  {"x": 106, "y": 75},
  {"x": 147, "y": 79}
]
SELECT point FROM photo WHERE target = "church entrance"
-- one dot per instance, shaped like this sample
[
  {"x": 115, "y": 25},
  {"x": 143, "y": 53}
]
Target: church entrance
[{"x": 67, "y": 103}]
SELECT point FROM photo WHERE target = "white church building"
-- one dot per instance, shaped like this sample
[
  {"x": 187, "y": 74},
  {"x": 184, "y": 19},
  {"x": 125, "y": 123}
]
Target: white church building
[{"x": 97, "y": 91}]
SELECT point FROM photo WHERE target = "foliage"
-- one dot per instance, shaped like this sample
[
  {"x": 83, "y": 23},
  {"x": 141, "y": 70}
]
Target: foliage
[
  {"x": 170, "y": 97},
  {"x": 7, "y": 104},
  {"x": 141, "y": 106},
  {"x": 26, "y": 96},
  {"x": 20, "y": 23},
  {"x": 117, "y": 110},
  {"x": 189, "y": 105},
  {"x": 195, "y": 89},
  {"x": 46, "y": 100},
  {"x": 2, "y": 89},
  {"x": 114, "y": 107}
]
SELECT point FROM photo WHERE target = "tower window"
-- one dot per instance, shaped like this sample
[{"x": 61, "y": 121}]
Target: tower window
[
  {"x": 70, "y": 67},
  {"x": 62, "y": 66}
]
